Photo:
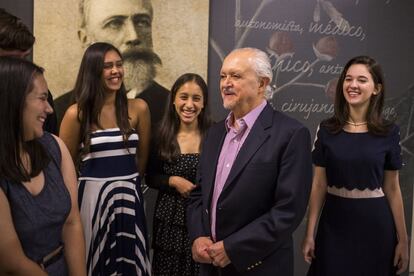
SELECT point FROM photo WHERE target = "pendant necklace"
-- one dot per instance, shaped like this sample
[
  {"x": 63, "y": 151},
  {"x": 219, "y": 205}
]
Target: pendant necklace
[{"x": 356, "y": 124}]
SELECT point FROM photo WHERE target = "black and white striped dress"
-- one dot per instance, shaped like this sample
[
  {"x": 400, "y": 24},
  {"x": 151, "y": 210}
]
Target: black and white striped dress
[{"x": 111, "y": 207}]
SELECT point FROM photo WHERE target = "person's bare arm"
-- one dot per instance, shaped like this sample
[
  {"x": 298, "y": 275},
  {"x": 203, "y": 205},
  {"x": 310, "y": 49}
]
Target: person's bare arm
[
  {"x": 393, "y": 193},
  {"x": 143, "y": 127},
  {"x": 70, "y": 130},
  {"x": 72, "y": 235},
  {"x": 317, "y": 198}
]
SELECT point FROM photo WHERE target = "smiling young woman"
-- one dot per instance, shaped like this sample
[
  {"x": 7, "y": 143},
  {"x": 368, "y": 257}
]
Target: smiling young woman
[
  {"x": 172, "y": 169},
  {"x": 108, "y": 136},
  {"x": 39, "y": 215},
  {"x": 356, "y": 188}
]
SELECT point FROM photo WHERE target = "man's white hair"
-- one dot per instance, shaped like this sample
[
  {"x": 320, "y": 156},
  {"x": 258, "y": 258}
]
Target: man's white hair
[{"x": 261, "y": 64}]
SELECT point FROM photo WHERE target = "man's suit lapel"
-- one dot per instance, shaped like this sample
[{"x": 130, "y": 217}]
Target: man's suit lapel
[
  {"x": 213, "y": 153},
  {"x": 257, "y": 136}
]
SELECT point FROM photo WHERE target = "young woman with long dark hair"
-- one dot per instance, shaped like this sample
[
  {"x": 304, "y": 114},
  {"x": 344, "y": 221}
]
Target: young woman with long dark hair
[
  {"x": 108, "y": 136},
  {"x": 41, "y": 230},
  {"x": 357, "y": 157},
  {"x": 172, "y": 171}
]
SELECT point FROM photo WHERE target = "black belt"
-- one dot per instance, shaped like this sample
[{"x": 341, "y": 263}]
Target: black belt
[{"x": 51, "y": 257}]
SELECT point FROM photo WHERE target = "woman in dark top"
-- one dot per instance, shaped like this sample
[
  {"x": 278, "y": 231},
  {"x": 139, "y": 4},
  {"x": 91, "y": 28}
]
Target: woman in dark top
[
  {"x": 356, "y": 184},
  {"x": 172, "y": 171},
  {"x": 39, "y": 218}
]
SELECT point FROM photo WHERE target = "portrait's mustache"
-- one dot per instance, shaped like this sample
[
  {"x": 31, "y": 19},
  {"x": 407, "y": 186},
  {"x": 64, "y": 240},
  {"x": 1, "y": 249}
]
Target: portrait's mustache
[{"x": 141, "y": 54}]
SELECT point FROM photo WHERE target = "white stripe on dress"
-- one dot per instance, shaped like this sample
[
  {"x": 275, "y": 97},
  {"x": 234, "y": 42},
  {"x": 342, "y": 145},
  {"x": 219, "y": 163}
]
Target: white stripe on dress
[
  {"x": 99, "y": 179},
  {"x": 109, "y": 153}
]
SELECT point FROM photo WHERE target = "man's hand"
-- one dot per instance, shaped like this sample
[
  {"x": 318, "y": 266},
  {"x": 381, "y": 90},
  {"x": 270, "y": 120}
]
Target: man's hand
[
  {"x": 199, "y": 250},
  {"x": 218, "y": 254}
]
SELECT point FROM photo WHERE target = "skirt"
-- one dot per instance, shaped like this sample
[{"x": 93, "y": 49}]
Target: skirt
[{"x": 355, "y": 237}]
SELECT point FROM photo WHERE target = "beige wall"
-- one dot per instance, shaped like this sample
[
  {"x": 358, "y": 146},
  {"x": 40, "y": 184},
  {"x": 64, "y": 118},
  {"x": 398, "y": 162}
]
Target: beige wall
[{"x": 180, "y": 35}]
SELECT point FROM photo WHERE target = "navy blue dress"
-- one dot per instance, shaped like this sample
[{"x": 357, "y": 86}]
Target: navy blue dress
[
  {"x": 39, "y": 219},
  {"x": 355, "y": 236},
  {"x": 111, "y": 206}
]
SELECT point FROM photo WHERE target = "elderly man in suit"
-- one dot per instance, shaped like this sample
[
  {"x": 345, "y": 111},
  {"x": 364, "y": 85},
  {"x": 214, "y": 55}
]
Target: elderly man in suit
[{"x": 254, "y": 178}]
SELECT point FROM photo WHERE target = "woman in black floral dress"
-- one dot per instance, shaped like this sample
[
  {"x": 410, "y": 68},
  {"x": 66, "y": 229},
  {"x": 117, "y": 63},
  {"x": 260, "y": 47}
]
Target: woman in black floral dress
[{"x": 172, "y": 170}]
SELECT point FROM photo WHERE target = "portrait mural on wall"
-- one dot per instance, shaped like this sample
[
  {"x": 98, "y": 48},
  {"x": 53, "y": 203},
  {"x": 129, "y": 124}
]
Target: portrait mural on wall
[{"x": 152, "y": 35}]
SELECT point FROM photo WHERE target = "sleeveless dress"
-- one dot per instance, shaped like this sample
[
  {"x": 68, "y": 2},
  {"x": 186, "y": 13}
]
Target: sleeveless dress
[
  {"x": 39, "y": 219},
  {"x": 356, "y": 236},
  {"x": 111, "y": 206},
  {"x": 171, "y": 244}
]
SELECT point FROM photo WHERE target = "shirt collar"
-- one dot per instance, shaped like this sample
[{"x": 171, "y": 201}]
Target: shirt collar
[{"x": 248, "y": 120}]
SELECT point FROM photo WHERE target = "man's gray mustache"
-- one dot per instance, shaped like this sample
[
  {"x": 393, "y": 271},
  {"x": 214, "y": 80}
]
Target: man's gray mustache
[{"x": 143, "y": 55}]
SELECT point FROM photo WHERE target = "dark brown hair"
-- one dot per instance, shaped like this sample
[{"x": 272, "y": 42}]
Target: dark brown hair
[
  {"x": 90, "y": 93},
  {"x": 14, "y": 35},
  {"x": 16, "y": 81},
  {"x": 167, "y": 143}
]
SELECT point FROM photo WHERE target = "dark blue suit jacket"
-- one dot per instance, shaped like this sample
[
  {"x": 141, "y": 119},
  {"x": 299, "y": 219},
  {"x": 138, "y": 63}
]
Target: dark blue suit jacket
[{"x": 263, "y": 200}]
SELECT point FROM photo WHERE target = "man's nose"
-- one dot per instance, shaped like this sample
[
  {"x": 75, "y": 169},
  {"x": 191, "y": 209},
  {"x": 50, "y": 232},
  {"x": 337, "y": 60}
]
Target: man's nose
[
  {"x": 131, "y": 35},
  {"x": 225, "y": 81}
]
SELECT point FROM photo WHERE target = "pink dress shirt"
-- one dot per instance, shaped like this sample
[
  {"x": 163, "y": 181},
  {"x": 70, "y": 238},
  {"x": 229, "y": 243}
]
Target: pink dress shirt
[{"x": 233, "y": 141}]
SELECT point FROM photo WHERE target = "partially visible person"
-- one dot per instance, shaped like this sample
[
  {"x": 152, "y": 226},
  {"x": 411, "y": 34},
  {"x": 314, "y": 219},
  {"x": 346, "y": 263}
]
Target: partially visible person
[
  {"x": 173, "y": 171},
  {"x": 108, "y": 135},
  {"x": 254, "y": 178},
  {"x": 41, "y": 230},
  {"x": 126, "y": 24},
  {"x": 16, "y": 40},
  {"x": 357, "y": 156}
]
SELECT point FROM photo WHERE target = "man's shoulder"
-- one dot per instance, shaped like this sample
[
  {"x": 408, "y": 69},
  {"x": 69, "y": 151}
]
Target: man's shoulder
[
  {"x": 280, "y": 124},
  {"x": 215, "y": 131},
  {"x": 154, "y": 90},
  {"x": 270, "y": 117},
  {"x": 217, "y": 126},
  {"x": 65, "y": 100},
  {"x": 280, "y": 118}
]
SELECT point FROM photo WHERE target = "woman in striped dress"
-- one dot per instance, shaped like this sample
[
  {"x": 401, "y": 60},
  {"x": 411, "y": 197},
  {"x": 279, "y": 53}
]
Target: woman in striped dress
[{"x": 108, "y": 137}]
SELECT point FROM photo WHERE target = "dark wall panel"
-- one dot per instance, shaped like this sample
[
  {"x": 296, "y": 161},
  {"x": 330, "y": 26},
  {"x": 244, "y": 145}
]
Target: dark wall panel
[{"x": 294, "y": 33}]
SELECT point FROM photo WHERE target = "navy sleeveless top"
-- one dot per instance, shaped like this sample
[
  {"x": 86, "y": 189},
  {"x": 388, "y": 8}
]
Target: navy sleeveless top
[
  {"x": 357, "y": 160},
  {"x": 39, "y": 219}
]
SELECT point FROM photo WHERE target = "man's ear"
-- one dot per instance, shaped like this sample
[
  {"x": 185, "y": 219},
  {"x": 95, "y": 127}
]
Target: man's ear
[
  {"x": 264, "y": 82},
  {"x": 84, "y": 38}
]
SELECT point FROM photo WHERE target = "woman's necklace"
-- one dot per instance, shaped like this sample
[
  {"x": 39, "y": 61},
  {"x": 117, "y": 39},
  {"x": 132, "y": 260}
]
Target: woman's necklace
[{"x": 356, "y": 124}]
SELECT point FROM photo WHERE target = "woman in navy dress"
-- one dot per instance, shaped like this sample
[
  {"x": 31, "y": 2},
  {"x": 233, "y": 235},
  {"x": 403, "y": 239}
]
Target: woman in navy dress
[
  {"x": 172, "y": 171},
  {"x": 108, "y": 135},
  {"x": 41, "y": 230},
  {"x": 357, "y": 156}
]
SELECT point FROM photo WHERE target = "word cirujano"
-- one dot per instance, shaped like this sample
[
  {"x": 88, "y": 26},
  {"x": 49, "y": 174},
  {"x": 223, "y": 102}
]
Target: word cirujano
[
  {"x": 307, "y": 108},
  {"x": 312, "y": 107}
]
